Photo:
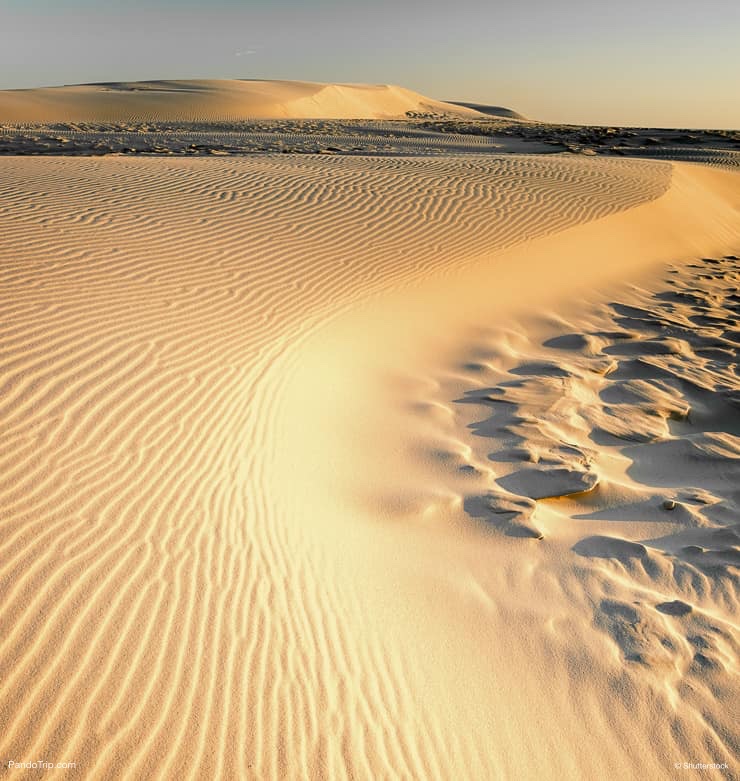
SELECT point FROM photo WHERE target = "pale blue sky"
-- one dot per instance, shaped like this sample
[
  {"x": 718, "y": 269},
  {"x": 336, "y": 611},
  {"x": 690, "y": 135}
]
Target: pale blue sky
[{"x": 657, "y": 62}]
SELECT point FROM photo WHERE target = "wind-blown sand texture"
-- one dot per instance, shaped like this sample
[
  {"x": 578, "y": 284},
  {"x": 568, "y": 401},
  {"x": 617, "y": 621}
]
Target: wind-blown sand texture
[{"x": 281, "y": 434}]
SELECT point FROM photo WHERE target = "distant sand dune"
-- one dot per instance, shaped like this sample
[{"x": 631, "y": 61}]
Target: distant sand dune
[
  {"x": 225, "y": 100},
  {"x": 491, "y": 111},
  {"x": 188, "y": 590}
]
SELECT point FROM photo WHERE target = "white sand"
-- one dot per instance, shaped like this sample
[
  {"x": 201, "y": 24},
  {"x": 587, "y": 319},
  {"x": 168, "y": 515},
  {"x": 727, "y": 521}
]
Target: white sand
[{"x": 239, "y": 528}]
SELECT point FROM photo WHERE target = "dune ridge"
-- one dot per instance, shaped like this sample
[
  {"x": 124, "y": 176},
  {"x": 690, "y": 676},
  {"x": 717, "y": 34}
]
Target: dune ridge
[{"x": 178, "y": 600}]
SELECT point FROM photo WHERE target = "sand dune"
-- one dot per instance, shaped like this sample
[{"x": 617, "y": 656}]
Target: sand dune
[
  {"x": 241, "y": 534},
  {"x": 490, "y": 111},
  {"x": 225, "y": 100}
]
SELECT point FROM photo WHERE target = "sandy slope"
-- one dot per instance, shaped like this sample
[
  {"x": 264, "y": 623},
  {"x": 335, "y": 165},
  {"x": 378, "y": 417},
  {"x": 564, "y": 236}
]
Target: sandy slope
[
  {"x": 216, "y": 99},
  {"x": 236, "y": 541}
]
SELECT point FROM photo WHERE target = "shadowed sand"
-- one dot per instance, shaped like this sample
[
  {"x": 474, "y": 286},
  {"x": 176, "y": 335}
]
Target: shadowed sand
[{"x": 249, "y": 530}]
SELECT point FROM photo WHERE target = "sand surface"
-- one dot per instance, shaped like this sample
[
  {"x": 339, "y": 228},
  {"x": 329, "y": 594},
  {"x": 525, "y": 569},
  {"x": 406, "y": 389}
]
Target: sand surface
[{"x": 413, "y": 466}]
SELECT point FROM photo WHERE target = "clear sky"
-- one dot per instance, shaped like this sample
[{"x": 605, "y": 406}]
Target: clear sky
[{"x": 640, "y": 62}]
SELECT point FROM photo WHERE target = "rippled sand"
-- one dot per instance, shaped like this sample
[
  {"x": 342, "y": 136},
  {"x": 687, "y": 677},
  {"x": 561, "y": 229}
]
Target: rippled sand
[{"x": 368, "y": 467}]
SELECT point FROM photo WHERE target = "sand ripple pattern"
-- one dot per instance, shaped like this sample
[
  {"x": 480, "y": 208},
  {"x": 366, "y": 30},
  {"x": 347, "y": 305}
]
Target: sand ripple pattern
[
  {"x": 363, "y": 139},
  {"x": 162, "y": 614}
]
